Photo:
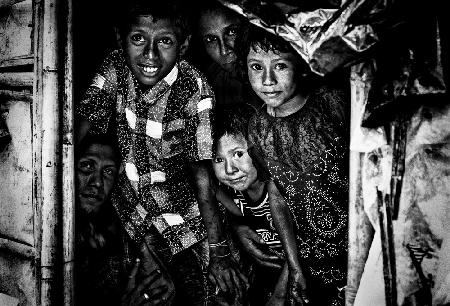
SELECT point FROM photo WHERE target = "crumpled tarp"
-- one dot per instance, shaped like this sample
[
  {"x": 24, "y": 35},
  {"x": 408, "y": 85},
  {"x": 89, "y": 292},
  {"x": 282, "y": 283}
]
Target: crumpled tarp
[
  {"x": 328, "y": 34},
  {"x": 327, "y": 37}
]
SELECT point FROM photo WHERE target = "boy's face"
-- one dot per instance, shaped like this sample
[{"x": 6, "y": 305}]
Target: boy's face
[
  {"x": 152, "y": 49},
  {"x": 232, "y": 164},
  {"x": 96, "y": 172},
  {"x": 218, "y": 31},
  {"x": 274, "y": 77}
]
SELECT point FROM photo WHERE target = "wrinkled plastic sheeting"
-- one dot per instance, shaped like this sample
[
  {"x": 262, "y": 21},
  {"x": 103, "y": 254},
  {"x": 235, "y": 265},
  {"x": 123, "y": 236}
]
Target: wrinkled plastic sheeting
[
  {"x": 408, "y": 70},
  {"x": 327, "y": 38}
]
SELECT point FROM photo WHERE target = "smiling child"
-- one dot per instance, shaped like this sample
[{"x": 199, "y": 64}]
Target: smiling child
[{"x": 161, "y": 109}]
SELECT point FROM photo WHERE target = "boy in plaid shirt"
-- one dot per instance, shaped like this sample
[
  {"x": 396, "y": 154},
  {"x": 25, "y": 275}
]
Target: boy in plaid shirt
[{"x": 162, "y": 108}]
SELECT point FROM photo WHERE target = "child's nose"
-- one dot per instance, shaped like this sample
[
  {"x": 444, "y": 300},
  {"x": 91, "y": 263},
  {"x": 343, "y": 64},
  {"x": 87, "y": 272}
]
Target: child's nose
[
  {"x": 269, "y": 77},
  {"x": 230, "y": 167},
  {"x": 225, "y": 46},
  {"x": 151, "y": 51}
]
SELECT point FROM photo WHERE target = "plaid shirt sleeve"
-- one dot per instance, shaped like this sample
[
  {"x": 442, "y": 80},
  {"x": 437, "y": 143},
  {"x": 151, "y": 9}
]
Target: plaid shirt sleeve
[
  {"x": 99, "y": 100},
  {"x": 199, "y": 140}
]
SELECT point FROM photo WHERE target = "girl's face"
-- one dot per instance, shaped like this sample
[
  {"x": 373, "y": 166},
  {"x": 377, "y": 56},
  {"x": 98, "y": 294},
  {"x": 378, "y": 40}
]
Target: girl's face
[
  {"x": 218, "y": 31},
  {"x": 232, "y": 164},
  {"x": 274, "y": 77}
]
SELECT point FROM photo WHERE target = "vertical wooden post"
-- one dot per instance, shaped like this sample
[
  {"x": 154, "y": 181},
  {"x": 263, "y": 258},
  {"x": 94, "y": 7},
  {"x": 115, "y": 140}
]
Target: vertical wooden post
[
  {"x": 47, "y": 163},
  {"x": 68, "y": 190}
]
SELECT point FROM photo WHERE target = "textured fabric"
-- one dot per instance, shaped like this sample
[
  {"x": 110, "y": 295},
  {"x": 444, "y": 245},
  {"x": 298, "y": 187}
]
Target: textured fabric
[
  {"x": 306, "y": 154},
  {"x": 257, "y": 216},
  {"x": 102, "y": 274},
  {"x": 159, "y": 131}
]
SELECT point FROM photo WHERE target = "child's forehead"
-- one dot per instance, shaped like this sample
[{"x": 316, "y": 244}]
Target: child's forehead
[
  {"x": 150, "y": 20},
  {"x": 237, "y": 139},
  {"x": 271, "y": 53}
]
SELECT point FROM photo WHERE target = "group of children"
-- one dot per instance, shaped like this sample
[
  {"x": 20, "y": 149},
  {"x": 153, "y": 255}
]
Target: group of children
[{"x": 268, "y": 147}]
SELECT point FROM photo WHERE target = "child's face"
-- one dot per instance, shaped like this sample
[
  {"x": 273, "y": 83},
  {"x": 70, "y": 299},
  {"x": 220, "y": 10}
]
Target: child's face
[
  {"x": 151, "y": 49},
  {"x": 274, "y": 77},
  {"x": 96, "y": 172},
  {"x": 232, "y": 164},
  {"x": 218, "y": 31}
]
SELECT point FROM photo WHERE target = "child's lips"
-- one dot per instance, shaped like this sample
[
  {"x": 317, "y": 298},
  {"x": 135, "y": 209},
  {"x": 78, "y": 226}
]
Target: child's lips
[
  {"x": 148, "y": 70},
  {"x": 237, "y": 180},
  {"x": 272, "y": 94}
]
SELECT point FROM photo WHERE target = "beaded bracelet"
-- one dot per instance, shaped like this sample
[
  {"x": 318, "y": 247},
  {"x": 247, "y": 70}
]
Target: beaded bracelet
[{"x": 218, "y": 244}]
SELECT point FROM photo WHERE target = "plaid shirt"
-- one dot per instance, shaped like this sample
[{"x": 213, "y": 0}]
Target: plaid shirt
[{"x": 160, "y": 131}]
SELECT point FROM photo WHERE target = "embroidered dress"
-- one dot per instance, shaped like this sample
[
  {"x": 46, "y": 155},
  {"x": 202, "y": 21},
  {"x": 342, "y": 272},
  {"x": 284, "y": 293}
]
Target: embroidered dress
[
  {"x": 306, "y": 154},
  {"x": 160, "y": 131}
]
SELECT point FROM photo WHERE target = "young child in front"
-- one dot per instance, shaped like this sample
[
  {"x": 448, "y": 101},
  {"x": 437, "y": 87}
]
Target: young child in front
[
  {"x": 161, "y": 109},
  {"x": 242, "y": 190},
  {"x": 302, "y": 135}
]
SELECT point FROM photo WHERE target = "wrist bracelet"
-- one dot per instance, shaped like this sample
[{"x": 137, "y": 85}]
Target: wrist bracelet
[
  {"x": 222, "y": 256},
  {"x": 218, "y": 244}
]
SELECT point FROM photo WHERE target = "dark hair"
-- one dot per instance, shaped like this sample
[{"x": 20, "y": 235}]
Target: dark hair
[
  {"x": 102, "y": 139},
  {"x": 172, "y": 10},
  {"x": 252, "y": 37},
  {"x": 232, "y": 120}
]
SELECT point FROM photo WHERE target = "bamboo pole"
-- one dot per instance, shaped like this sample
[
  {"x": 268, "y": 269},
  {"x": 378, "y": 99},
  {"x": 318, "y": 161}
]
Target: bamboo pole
[
  {"x": 360, "y": 230},
  {"x": 47, "y": 95},
  {"x": 36, "y": 141},
  {"x": 68, "y": 165}
]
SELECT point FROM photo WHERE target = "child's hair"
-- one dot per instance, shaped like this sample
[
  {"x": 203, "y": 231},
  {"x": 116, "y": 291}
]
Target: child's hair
[
  {"x": 172, "y": 10},
  {"x": 232, "y": 120}
]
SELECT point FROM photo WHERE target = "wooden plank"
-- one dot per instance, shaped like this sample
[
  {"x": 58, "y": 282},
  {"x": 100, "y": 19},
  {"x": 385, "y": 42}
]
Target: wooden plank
[
  {"x": 16, "y": 79},
  {"x": 17, "y": 248},
  {"x": 17, "y": 61},
  {"x": 16, "y": 95},
  {"x": 5, "y": 3}
]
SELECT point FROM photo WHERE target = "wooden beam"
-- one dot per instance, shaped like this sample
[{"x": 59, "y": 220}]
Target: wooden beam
[
  {"x": 16, "y": 95},
  {"x": 17, "y": 61},
  {"x": 17, "y": 79}
]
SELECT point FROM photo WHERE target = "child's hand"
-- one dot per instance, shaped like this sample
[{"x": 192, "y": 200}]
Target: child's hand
[
  {"x": 297, "y": 288},
  {"x": 226, "y": 275},
  {"x": 153, "y": 289},
  {"x": 254, "y": 245}
]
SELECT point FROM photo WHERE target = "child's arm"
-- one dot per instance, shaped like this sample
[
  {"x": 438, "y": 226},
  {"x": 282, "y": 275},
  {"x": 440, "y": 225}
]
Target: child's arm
[
  {"x": 225, "y": 273},
  {"x": 83, "y": 128},
  {"x": 284, "y": 225},
  {"x": 279, "y": 295},
  {"x": 251, "y": 242}
]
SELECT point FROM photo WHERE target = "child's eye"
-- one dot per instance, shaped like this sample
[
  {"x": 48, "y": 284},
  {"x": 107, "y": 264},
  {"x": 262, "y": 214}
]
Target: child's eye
[
  {"x": 231, "y": 31},
  {"x": 217, "y": 160},
  {"x": 256, "y": 67},
  {"x": 281, "y": 66},
  {"x": 238, "y": 154},
  {"x": 166, "y": 41},
  {"x": 137, "y": 38},
  {"x": 209, "y": 39}
]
